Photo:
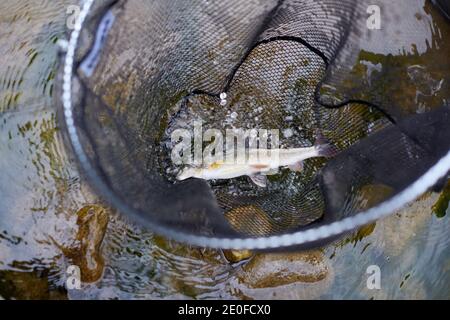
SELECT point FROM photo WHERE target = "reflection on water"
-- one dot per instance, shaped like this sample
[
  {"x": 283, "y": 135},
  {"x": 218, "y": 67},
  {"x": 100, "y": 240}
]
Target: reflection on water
[{"x": 49, "y": 219}]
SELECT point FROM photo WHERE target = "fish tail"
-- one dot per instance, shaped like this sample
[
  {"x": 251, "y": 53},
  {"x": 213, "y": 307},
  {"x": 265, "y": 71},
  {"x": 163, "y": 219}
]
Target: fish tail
[
  {"x": 324, "y": 147},
  {"x": 327, "y": 150}
]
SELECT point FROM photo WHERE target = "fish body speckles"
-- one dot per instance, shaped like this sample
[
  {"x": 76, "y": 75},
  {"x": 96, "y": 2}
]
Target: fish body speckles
[{"x": 265, "y": 162}]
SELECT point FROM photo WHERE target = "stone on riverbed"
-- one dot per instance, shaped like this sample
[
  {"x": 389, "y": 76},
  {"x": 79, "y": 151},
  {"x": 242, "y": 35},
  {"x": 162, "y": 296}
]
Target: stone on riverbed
[
  {"x": 86, "y": 251},
  {"x": 273, "y": 270}
]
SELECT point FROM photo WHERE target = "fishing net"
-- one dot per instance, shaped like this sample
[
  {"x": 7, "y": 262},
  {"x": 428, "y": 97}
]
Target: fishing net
[{"x": 135, "y": 72}]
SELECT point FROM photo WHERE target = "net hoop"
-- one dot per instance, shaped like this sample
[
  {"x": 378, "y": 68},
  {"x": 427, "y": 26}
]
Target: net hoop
[{"x": 300, "y": 238}]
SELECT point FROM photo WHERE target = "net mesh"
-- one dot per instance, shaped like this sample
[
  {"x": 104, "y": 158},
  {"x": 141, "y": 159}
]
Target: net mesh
[{"x": 145, "y": 69}]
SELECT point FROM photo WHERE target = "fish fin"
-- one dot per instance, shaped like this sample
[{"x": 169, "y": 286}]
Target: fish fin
[
  {"x": 297, "y": 167},
  {"x": 259, "y": 180},
  {"x": 324, "y": 147},
  {"x": 320, "y": 138}
]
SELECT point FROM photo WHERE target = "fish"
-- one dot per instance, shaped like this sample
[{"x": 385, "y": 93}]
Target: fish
[{"x": 259, "y": 169}]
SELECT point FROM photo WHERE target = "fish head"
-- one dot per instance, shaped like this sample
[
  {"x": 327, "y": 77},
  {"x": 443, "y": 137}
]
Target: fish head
[{"x": 189, "y": 172}]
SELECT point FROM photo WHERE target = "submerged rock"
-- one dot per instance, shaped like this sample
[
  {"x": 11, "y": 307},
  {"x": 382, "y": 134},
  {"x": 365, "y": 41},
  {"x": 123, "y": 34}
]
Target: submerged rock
[
  {"x": 273, "y": 270},
  {"x": 304, "y": 275},
  {"x": 85, "y": 253},
  {"x": 441, "y": 206},
  {"x": 235, "y": 256},
  {"x": 29, "y": 286}
]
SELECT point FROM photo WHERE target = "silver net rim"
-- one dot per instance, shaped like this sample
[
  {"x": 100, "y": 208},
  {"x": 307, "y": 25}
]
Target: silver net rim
[{"x": 421, "y": 185}]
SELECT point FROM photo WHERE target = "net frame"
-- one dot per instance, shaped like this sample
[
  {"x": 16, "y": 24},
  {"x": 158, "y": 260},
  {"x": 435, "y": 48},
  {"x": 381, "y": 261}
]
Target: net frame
[{"x": 311, "y": 237}]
